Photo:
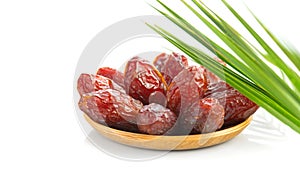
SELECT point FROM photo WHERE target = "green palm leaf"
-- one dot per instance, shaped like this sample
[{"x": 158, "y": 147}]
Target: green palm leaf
[{"x": 247, "y": 70}]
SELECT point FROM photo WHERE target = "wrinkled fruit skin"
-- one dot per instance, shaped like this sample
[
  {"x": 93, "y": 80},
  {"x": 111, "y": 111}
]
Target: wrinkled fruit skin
[
  {"x": 159, "y": 98},
  {"x": 169, "y": 65},
  {"x": 87, "y": 83},
  {"x": 142, "y": 79},
  {"x": 112, "y": 74},
  {"x": 183, "y": 99},
  {"x": 204, "y": 116},
  {"x": 237, "y": 107},
  {"x": 186, "y": 88},
  {"x": 114, "y": 108},
  {"x": 155, "y": 119}
]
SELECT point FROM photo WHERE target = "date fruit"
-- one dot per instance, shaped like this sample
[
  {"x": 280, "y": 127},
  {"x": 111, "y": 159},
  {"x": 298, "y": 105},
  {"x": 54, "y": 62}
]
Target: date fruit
[
  {"x": 169, "y": 65},
  {"x": 237, "y": 107},
  {"x": 178, "y": 99},
  {"x": 186, "y": 88},
  {"x": 112, "y": 74},
  {"x": 142, "y": 79},
  {"x": 155, "y": 119},
  {"x": 204, "y": 116},
  {"x": 114, "y": 108},
  {"x": 87, "y": 83}
]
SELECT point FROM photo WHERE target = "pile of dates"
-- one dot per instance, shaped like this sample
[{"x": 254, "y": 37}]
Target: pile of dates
[{"x": 168, "y": 97}]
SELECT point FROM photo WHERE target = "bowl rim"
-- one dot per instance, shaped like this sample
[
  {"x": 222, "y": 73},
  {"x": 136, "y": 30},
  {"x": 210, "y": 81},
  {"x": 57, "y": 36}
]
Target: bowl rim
[
  {"x": 170, "y": 142},
  {"x": 215, "y": 133}
]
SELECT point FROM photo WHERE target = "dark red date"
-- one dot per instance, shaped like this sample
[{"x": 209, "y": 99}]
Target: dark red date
[
  {"x": 112, "y": 74},
  {"x": 237, "y": 107},
  {"x": 169, "y": 65},
  {"x": 155, "y": 119},
  {"x": 89, "y": 83},
  {"x": 204, "y": 116},
  {"x": 159, "y": 98},
  {"x": 142, "y": 79},
  {"x": 186, "y": 88},
  {"x": 114, "y": 108},
  {"x": 179, "y": 99}
]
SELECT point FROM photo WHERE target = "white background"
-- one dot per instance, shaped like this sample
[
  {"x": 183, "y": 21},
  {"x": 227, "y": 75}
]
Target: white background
[{"x": 40, "y": 43}]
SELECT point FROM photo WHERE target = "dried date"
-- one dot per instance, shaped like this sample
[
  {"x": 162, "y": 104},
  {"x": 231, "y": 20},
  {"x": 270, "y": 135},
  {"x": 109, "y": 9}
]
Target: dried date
[
  {"x": 114, "y": 108},
  {"x": 155, "y": 119},
  {"x": 169, "y": 65},
  {"x": 204, "y": 116},
  {"x": 87, "y": 83},
  {"x": 186, "y": 88},
  {"x": 237, "y": 107},
  {"x": 142, "y": 79},
  {"x": 112, "y": 74}
]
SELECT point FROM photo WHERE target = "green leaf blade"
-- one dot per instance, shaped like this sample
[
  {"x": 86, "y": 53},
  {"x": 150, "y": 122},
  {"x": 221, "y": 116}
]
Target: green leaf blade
[{"x": 252, "y": 76}]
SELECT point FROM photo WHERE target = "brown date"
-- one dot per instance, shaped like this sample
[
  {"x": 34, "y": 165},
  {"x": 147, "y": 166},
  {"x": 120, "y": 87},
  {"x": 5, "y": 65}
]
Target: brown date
[
  {"x": 155, "y": 119},
  {"x": 237, "y": 107},
  {"x": 183, "y": 99},
  {"x": 114, "y": 108},
  {"x": 204, "y": 116},
  {"x": 87, "y": 83},
  {"x": 159, "y": 98},
  {"x": 142, "y": 79},
  {"x": 112, "y": 74},
  {"x": 169, "y": 65},
  {"x": 186, "y": 88}
]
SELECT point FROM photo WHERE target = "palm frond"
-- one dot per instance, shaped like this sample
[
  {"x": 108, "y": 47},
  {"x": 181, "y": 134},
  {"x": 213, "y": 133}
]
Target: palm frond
[{"x": 247, "y": 70}]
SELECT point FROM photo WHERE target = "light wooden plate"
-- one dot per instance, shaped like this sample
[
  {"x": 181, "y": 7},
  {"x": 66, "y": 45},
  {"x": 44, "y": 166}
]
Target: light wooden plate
[{"x": 169, "y": 142}]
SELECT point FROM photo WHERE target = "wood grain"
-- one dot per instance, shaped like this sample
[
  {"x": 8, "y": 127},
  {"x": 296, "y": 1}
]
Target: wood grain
[{"x": 169, "y": 142}]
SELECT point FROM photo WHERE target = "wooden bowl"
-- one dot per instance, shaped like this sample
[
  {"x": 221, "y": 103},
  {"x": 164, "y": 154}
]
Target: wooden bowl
[{"x": 162, "y": 142}]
